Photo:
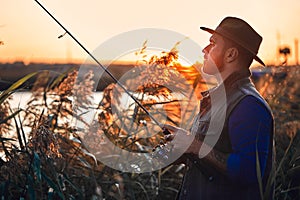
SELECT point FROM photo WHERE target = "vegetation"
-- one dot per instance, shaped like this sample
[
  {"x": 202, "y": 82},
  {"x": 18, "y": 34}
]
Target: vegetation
[
  {"x": 281, "y": 89},
  {"x": 44, "y": 156}
]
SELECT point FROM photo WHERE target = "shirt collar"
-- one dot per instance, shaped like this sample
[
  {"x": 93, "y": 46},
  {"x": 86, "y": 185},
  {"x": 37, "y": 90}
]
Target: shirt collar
[{"x": 233, "y": 80}]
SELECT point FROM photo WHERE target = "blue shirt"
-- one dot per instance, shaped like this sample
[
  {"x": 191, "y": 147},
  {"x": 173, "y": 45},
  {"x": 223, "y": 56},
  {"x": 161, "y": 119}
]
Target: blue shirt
[{"x": 249, "y": 129}]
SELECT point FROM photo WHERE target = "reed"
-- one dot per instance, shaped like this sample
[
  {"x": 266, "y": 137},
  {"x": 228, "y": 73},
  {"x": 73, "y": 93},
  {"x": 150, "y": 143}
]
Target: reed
[
  {"x": 281, "y": 90},
  {"x": 52, "y": 161}
]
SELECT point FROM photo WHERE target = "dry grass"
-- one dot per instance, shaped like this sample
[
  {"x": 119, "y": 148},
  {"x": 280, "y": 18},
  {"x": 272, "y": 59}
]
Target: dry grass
[
  {"x": 281, "y": 90},
  {"x": 52, "y": 162}
]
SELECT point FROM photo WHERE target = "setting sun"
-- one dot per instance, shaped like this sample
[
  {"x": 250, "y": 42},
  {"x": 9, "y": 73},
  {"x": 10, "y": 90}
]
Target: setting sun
[
  {"x": 29, "y": 35},
  {"x": 119, "y": 100}
]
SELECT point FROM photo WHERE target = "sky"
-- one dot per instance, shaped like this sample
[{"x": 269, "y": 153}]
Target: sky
[{"x": 30, "y": 35}]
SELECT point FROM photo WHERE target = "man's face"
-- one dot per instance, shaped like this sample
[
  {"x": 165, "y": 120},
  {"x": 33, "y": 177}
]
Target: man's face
[{"x": 214, "y": 55}]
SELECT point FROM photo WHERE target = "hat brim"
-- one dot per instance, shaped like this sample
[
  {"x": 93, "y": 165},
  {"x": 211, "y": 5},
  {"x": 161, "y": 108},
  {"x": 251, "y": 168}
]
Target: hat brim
[{"x": 211, "y": 31}]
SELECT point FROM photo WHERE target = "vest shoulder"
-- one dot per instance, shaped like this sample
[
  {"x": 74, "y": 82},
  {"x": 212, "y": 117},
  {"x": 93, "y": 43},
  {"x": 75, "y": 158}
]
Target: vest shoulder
[{"x": 244, "y": 90}]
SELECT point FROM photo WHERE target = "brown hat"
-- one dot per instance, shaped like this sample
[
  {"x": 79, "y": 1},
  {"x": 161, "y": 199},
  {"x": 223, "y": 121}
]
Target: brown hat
[{"x": 239, "y": 32}]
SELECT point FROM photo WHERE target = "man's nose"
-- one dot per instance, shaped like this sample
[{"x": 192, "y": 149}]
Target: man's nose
[{"x": 205, "y": 50}]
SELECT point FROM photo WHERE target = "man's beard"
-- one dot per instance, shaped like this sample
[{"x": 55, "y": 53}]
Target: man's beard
[{"x": 211, "y": 67}]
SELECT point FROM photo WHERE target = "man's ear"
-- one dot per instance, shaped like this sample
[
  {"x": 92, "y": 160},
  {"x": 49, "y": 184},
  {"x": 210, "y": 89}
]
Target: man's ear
[{"x": 231, "y": 54}]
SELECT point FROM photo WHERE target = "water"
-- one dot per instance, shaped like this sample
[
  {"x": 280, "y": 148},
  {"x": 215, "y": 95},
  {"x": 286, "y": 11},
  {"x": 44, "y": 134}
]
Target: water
[
  {"x": 21, "y": 99},
  {"x": 182, "y": 113}
]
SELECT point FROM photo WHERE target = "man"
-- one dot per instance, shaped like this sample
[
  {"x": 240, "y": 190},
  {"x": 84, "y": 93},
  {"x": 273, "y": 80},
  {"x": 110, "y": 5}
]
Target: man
[{"x": 242, "y": 155}]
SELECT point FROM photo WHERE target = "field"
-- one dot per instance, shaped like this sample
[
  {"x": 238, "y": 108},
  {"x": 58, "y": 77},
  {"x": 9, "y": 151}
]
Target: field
[
  {"x": 53, "y": 162},
  {"x": 281, "y": 89}
]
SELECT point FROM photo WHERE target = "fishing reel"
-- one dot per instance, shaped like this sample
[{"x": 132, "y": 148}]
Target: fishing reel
[{"x": 162, "y": 150}]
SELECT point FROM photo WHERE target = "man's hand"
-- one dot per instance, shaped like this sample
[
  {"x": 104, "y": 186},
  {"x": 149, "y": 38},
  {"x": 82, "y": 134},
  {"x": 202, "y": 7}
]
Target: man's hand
[{"x": 181, "y": 140}]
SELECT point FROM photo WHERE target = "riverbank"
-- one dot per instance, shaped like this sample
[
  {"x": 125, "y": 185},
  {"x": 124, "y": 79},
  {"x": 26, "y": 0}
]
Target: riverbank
[{"x": 11, "y": 72}]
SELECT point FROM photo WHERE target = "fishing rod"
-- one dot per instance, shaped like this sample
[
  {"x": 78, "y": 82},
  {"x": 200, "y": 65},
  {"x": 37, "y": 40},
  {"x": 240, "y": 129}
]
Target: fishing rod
[{"x": 106, "y": 70}]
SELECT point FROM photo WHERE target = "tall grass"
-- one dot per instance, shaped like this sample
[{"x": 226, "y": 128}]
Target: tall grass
[
  {"x": 46, "y": 158},
  {"x": 281, "y": 89}
]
